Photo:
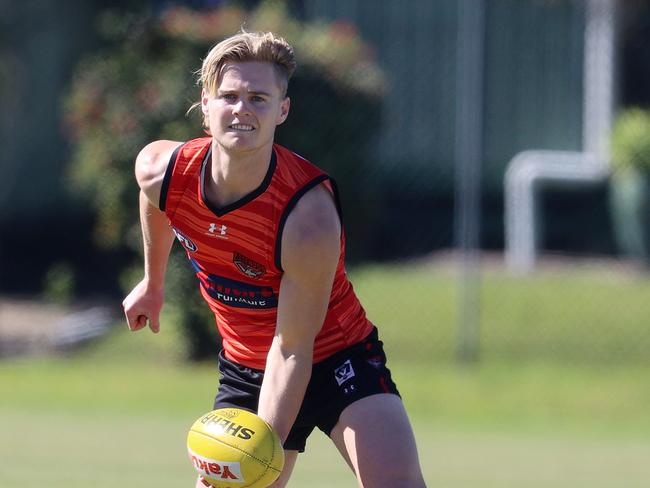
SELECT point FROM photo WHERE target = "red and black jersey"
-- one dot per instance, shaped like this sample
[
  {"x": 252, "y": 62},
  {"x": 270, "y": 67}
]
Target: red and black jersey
[{"x": 236, "y": 252}]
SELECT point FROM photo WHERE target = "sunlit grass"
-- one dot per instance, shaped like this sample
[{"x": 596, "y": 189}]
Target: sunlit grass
[{"x": 559, "y": 397}]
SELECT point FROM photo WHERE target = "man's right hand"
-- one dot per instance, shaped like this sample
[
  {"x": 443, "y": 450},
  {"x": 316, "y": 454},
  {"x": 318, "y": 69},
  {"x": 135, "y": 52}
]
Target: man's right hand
[{"x": 143, "y": 304}]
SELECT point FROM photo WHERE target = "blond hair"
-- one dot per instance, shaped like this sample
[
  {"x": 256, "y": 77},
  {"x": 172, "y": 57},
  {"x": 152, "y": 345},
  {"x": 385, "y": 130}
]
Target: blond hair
[{"x": 243, "y": 47}]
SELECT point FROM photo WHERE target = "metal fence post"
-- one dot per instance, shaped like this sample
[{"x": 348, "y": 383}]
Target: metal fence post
[{"x": 468, "y": 150}]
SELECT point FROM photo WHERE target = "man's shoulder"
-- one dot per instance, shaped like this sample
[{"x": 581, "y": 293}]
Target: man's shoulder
[
  {"x": 151, "y": 165},
  {"x": 157, "y": 153},
  {"x": 295, "y": 168},
  {"x": 198, "y": 143},
  {"x": 311, "y": 240},
  {"x": 290, "y": 155},
  {"x": 164, "y": 148},
  {"x": 314, "y": 219},
  {"x": 156, "y": 157}
]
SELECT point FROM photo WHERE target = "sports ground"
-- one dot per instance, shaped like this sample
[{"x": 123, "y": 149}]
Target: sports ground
[{"x": 559, "y": 397}]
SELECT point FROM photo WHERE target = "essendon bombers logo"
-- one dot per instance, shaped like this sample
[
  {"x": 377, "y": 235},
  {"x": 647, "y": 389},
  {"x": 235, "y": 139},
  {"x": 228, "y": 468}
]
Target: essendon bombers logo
[{"x": 247, "y": 266}]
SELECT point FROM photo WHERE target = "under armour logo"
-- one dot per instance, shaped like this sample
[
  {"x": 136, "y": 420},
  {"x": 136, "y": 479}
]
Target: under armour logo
[{"x": 217, "y": 230}]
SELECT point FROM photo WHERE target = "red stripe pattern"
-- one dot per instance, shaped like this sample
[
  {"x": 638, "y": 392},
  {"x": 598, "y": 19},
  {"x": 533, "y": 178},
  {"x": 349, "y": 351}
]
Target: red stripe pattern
[{"x": 233, "y": 255}]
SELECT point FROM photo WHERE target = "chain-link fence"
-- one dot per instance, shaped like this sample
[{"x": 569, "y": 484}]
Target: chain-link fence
[{"x": 472, "y": 85}]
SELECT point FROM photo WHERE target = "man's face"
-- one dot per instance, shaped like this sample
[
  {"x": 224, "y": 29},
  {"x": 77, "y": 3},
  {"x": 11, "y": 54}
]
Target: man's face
[{"x": 247, "y": 106}]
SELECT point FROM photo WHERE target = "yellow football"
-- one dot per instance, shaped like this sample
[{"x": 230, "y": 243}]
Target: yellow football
[{"x": 234, "y": 448}]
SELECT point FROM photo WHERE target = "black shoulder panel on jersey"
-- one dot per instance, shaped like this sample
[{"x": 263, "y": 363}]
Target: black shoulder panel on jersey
[
  {"x": 283, "y": 219},
  {"x": 167, "y": 178}
]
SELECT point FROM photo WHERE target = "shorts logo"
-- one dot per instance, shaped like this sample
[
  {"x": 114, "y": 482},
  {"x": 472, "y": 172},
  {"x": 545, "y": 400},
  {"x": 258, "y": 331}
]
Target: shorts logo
[
  {"x": 247, "y": 266},
  {"x": 344, "y": 372},
  {"x": 186, "y": 241}
]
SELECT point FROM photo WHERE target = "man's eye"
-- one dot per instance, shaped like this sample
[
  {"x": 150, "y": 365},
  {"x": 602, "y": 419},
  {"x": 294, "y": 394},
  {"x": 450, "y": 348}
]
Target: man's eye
[
  {"x": 256, "y": 98},
  {"x": 228, "y": 97}
]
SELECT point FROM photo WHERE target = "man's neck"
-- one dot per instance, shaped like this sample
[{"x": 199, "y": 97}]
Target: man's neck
[{"x": 233, "y": 175}]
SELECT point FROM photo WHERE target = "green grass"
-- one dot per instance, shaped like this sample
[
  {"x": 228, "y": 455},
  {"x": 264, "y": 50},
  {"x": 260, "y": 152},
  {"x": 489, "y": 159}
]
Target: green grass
[
  {"x": 529, "y": 414},
  {"x": 67, "y": 423}
]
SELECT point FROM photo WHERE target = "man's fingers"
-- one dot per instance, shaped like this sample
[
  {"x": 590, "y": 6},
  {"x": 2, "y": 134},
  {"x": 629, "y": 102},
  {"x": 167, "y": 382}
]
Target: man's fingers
[
  {"x": 136, "y": 322},
  {"x": 154, "y": 325},
  {"x": 141, "y": 322}
]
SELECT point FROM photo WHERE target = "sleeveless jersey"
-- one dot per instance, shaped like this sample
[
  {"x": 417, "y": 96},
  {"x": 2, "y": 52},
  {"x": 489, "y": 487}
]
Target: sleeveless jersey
[{"x": 236, "y": 252}]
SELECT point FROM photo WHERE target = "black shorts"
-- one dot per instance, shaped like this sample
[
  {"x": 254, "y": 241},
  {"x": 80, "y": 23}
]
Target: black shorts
[{"x": 336, "y": 382}]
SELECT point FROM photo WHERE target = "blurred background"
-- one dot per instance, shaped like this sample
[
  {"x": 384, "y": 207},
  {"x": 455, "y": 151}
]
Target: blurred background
[{"x": 493, "y": 160}]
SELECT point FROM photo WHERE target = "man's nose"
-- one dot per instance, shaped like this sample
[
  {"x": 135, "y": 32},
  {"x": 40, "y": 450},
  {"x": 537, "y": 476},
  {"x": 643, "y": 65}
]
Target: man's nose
[{"x": 241, "y": 107}]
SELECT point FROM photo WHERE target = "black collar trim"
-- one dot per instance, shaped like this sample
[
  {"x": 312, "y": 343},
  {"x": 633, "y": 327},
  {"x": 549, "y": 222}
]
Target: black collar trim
[{"x": 221, "y": 211}]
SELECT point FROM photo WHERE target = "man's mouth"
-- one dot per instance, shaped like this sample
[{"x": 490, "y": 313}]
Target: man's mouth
[{"x": 241, "y": 127}]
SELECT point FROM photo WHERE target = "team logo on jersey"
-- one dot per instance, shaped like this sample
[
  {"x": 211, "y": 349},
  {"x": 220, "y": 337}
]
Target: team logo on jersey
[
  {"x": 247, "y": 266},
  {"x": 216, "y": 230},
  {"x": 344, "y": 372},
  {"x": 186, "y": 241}
]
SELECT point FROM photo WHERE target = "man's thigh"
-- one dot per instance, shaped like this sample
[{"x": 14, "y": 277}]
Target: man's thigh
[{"x": 375, "y": 436}]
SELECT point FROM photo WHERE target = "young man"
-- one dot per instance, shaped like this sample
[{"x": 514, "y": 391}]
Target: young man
[{"x": 262, "y": 230}]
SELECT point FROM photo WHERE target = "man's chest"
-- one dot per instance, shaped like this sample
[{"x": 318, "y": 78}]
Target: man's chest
[{"x": 236, "y": 245}]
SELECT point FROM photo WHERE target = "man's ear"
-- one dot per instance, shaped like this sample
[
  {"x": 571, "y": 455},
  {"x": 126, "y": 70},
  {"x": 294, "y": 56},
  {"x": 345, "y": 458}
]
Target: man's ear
[
  {"x": 204, "y": 101},
  {"x": 284, "y": 110}
]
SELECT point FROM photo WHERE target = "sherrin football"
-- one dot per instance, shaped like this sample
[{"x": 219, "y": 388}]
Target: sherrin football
[{"x": 234, "y": 448}]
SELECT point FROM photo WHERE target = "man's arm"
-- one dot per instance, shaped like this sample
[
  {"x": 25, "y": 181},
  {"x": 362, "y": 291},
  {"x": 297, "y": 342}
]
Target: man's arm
[
  {"x": 146, "y": 299},
  {"x": 310, "y": 254}
]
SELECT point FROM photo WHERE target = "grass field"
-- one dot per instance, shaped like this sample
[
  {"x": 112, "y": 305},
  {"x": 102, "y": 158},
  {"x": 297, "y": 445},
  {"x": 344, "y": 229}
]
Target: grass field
[{"x": 529, "y": 414}]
